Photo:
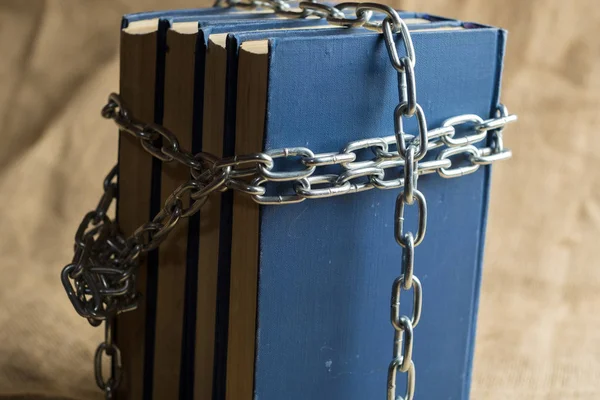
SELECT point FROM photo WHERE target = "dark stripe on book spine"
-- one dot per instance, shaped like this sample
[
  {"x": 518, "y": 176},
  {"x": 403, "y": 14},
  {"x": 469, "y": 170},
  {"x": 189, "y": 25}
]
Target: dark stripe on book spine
[
  {"x": 225, "y": 233},
  {"x": 190, "y": 307},
  {"x": 222, "y": 312},
  {"x": 260, "y": 212},
  {"x": 155, "y": 205}
]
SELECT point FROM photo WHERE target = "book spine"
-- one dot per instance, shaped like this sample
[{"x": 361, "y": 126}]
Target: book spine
[
  {"x": 209, "y": 350},
  {"x": 155, "y": 206},
  {"x": 251, "y": 108},
  {"x": 138, "y": 75},
  {"x": 177, "y": 117}
]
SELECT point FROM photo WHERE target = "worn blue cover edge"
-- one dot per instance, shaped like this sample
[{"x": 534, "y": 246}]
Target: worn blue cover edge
[
  {"x": 485, "y": 183},
  {"x": 235, "y": 39},
  {"x": 501, "y": 50}
]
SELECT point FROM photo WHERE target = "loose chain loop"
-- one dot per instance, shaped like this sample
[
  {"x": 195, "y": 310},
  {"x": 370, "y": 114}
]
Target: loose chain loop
[{"x": 100, "y": 280}]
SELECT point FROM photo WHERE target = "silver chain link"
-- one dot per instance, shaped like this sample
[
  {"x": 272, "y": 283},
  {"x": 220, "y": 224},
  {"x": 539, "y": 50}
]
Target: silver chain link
[
  {"x": 100, "y": 280},
  {"x": 411, "y": 151}
]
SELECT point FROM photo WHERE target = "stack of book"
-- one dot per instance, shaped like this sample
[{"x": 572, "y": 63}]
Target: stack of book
[{"x": 245, "y": 301}]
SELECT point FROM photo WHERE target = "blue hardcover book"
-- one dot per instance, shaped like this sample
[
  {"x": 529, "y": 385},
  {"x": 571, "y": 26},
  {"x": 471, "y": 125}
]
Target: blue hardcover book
[
  {"x": 181, "y": 284},
  {"x": 310, "y": 283},
  {"x": 219, "y": 116},
  {"x": 204, "y": 345}
]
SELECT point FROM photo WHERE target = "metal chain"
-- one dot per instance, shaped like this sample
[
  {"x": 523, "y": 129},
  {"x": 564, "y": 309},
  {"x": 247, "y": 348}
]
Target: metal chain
[
  {"x": 411, "y": 151},
  {"x": 100, "y": 280},
  {"x": 110, "y": 349}
]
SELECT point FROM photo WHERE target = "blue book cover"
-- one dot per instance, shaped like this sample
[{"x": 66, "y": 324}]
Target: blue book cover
[
  {"x": 311, "y": 282},
  {"x": 416, "y": 21},
  {"x": 200, "y": 243}
]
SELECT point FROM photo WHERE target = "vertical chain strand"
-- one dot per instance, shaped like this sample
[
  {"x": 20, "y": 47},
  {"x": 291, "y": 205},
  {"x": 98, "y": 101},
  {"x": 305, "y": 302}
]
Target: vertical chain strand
[
  {"x": 110, "y": 349},
  {"x": 410, "y": 151}
]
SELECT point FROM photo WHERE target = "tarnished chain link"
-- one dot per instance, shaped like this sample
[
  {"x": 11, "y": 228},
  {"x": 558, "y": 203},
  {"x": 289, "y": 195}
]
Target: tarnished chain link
[
  {"x": 109, "y": 349},
  {"x": 100, "y": 280}
]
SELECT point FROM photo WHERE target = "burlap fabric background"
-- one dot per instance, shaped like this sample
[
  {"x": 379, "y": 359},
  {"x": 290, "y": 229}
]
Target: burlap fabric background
[{"x": 539, "y": 329}]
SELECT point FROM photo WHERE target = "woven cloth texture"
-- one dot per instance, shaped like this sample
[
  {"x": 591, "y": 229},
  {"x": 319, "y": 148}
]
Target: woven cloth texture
[{"x": 539, "y": 321}]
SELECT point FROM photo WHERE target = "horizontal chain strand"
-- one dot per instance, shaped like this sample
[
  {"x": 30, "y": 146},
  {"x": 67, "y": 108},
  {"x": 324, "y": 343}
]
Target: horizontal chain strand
[
  {"x": 248, "y": 168},
  {"x": 98, "y": 241}
]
